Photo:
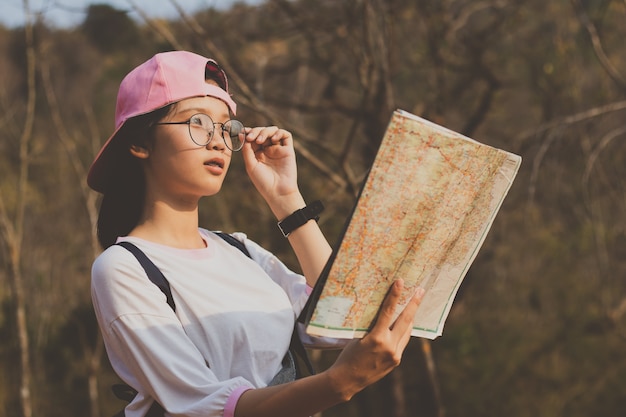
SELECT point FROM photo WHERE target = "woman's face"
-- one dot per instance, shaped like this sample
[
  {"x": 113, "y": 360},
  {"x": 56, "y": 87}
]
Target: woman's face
[{"x": 179, "y": 170}]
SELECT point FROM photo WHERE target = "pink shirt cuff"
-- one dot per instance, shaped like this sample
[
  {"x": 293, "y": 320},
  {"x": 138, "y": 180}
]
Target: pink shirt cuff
[
  {"x": 229, "y": 408},
  {"x": 309, "y": 289}
]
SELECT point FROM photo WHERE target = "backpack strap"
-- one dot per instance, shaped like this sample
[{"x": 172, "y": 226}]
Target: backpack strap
[
  {"x": 154, "y": 273},
  {"x": 233, "y": 241},
  {"x": 296, "y": 347}
]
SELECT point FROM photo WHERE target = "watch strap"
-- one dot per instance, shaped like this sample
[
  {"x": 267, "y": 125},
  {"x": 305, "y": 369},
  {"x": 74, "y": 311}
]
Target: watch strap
[{"x": 300, "y": 217}]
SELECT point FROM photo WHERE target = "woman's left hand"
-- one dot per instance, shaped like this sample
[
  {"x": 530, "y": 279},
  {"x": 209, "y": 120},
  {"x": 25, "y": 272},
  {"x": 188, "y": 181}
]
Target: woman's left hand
[{"x": 270, "y": 161}]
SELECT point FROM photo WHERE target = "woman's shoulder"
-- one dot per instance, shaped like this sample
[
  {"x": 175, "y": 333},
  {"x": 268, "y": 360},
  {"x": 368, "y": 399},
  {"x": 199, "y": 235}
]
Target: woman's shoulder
[
  {"x": 120, "y": 287},
  {"x": 113, "y": 262},
  {"x": 111, "y": 256}
]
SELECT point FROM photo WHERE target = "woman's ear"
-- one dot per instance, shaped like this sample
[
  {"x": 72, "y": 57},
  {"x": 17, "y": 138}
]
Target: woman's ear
[{"x": 139, "y": 151}]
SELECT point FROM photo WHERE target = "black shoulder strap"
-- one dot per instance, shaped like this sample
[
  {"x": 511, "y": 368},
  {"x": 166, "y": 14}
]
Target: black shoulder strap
[
  {"x": 234, "y": 242},
  {"x": 154, "y": 273},
  {"x": 297, "y": 348}
]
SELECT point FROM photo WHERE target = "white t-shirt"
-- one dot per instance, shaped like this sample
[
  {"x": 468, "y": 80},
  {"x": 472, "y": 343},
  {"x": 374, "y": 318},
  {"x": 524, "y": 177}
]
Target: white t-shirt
[{"x": 231, "y": 329}]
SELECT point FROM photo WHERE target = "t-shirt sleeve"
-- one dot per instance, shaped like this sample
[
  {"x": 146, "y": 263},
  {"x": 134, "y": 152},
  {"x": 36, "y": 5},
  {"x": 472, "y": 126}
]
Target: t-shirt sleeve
[
  {"x": 296, "y": 287},
  {"x": 292, "y": 283}
]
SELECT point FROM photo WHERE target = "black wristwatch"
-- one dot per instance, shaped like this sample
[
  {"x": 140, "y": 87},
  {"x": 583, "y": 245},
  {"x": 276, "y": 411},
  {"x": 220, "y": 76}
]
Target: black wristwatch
[{"x": 300, "y": 217}]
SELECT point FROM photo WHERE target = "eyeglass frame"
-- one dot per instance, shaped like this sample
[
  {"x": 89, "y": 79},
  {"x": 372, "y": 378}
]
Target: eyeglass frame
[{"x": 188, "y": 123}]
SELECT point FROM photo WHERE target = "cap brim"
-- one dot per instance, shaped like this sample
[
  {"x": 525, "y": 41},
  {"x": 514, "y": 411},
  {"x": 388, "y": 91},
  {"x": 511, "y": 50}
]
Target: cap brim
[{"x": 98, "y": 172}]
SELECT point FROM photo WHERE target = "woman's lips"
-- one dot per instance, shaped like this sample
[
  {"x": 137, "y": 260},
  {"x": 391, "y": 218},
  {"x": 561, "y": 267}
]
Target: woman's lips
[{"x": 215, "y": 165}]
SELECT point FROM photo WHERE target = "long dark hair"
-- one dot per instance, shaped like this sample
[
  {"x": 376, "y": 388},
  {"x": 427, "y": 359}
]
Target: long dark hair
[{"x": 123, "y": 198}]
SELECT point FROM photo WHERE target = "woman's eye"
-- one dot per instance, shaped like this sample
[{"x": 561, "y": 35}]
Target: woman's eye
[{"x": 195, "y": 121}]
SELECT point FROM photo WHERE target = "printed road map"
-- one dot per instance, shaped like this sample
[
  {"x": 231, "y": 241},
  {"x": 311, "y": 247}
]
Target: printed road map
[{"x": 424, "y": 211}]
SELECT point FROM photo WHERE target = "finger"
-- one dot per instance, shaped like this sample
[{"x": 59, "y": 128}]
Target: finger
[
  {"x": 404, "y": 321},
  {"x": 282, "y": 137},
  {"x": 387, "y": 310},
  {"x": 402, "y": 328},
  {"x": 252, "y": 133},
  {"x": 248, "y": 155},
  {"x": 260, "y": 135}
]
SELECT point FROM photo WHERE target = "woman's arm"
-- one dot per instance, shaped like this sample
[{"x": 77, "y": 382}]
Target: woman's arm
[
  {"x": 361, "y": 363},
  {"x": 271, "y": 165},
  {"x": 312, "y": 250}
]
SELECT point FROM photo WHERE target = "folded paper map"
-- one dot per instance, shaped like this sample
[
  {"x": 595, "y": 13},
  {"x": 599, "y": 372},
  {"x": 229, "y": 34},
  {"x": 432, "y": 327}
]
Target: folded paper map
[{"x": 423, "y": 213}]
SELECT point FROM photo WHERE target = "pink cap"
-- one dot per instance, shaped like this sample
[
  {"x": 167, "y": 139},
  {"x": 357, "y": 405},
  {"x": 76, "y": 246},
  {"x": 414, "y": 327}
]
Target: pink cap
[{"x": 164, "y": 79}]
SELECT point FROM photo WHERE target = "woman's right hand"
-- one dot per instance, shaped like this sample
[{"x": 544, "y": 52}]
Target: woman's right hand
[
  {"x": 361, "y": 363},
  {"x": 367, "y": 360}
]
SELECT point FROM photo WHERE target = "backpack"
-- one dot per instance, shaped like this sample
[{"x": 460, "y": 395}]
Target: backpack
[{"x": 293, "y": 361}]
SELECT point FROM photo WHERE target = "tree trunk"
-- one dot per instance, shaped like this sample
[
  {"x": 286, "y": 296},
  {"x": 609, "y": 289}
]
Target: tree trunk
[
  {"x": 14, "y": 230},
  {"x": 22, "y": 333},
  {"x": 432, "y": 375}
]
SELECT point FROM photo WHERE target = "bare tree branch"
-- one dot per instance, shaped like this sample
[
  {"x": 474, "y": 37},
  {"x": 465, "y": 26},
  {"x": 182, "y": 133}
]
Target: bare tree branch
[
  {"x": 13, "y": 229},
  {"x": 575, "y": 118},
  {"x": 69, "y": 144},
  {"x": 597, "y": 44},
  {"x": 593, "y": 204},
  {"x": 604, "y": 142},
  {"x": 543, "y": 150},
  {"x": 618, "y": 311},
  {"x": 468, "y": 11},
  {"x": 24, "y": 342},
  {"x": 91, "y": 356},
  {"x": 251, "y": 100},
  {"x": 158, "y": 26}
]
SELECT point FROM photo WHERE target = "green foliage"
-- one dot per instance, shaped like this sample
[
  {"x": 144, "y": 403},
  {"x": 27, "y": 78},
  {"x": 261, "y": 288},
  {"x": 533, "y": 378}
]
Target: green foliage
[{"x": 538, "y": 325}]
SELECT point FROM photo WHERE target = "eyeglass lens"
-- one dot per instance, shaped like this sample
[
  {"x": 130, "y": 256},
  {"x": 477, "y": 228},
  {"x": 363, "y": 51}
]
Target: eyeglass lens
[{"x": 202, "y": 130}]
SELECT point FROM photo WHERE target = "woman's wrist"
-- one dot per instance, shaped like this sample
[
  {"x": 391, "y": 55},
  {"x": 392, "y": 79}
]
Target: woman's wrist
[
  {"x": 341, "y": 389},
  {"x": 286, "y": 205},
  {"x": 301, "y": 217}
]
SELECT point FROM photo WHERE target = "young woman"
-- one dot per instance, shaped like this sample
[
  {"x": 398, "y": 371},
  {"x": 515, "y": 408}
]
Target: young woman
[{"x": 218, "y": 351}]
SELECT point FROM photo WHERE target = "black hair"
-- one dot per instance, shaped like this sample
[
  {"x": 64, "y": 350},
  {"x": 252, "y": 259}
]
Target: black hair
[{"x": 123, "y": 196}]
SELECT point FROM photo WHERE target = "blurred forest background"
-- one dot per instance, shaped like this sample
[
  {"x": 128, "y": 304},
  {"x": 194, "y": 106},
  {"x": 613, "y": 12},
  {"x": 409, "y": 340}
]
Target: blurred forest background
[{"x": 538, "y": 327}]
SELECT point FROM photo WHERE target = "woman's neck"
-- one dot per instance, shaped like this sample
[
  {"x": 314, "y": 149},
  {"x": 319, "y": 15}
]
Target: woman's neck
[{"x": 166, "y": 225}]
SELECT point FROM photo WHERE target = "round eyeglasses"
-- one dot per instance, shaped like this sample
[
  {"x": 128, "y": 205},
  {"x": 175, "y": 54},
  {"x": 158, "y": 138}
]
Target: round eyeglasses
[{"x": 202, "y": 130}]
